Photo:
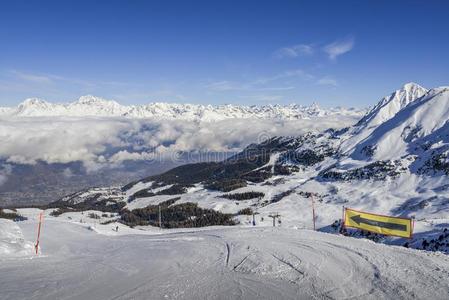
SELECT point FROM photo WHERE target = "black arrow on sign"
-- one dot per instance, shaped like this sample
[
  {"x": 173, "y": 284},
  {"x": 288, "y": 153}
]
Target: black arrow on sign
[{"x": 393, "y": 226}]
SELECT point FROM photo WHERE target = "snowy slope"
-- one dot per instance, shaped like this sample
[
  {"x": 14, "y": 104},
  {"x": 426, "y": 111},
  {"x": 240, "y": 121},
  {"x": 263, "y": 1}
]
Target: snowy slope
[
  {"x": 383, "y": 111},
  {"x": 12, "y": 242},
  {"x": 226, "y": 263},
  {"x": 388, "y": 106},
  {"x": 423, "y": 121},
  {"x": 95, "y": 106}
]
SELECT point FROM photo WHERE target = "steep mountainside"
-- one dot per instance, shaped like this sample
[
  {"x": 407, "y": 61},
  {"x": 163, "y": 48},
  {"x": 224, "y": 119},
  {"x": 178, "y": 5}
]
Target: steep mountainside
[{"x": 383, "y": 111}]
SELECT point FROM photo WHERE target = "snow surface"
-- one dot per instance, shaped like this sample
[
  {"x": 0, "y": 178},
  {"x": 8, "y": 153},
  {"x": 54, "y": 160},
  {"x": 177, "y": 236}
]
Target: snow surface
[{"x": 217, "y": 263}]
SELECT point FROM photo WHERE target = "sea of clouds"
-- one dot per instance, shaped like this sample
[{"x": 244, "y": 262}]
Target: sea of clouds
[{"x": 99, "y": 142}]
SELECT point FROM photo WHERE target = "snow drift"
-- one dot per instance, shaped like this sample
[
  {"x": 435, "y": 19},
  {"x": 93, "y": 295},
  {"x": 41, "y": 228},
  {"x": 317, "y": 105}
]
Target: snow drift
[{"x": 12, "y": 242}]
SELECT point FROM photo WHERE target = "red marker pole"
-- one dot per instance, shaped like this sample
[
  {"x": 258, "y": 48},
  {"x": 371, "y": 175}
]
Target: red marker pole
[{"x": 38, "y": 233}]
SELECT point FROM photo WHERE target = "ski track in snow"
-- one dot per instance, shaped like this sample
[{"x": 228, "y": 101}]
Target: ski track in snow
[{"x": 218, "y": 263}]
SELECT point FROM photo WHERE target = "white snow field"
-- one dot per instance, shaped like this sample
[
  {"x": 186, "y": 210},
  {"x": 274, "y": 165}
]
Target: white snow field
[{"x": 216, "y": 263}]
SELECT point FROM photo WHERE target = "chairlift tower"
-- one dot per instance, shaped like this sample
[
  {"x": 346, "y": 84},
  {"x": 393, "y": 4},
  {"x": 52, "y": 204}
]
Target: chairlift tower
[
  {"x": 160, "y": 217},
  {"x": 274, "y": 216}
]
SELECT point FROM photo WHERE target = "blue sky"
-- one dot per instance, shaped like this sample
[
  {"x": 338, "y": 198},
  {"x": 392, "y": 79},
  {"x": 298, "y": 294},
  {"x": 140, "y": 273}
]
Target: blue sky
[{"x": 347, "y": 53}]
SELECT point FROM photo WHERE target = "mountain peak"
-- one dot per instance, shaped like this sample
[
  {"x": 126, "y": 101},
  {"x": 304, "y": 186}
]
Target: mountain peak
[
  {"x": 390, "y": 105},
  {"x": 89, "y": 99},
  {"x": 411, "y": 91},
  {"x": 409, "y": 86},
  {"x": 32, "y": 102}
]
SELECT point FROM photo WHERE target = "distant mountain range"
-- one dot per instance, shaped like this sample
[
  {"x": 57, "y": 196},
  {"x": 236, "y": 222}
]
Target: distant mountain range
[{"x": 94, "y": 106}]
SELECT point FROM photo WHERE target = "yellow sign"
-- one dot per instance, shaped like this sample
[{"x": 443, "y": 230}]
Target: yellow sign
[{"x": 385, "y": 225}]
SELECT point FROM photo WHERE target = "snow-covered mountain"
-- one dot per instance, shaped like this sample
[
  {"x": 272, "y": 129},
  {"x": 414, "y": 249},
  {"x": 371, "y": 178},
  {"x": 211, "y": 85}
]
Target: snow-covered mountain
[
  {"x": 418, "y": 129},
  {"x": 383, "y": 111},
  {"x": 84, "y": 106},
  {"x": 393, "y": 161},
  {"x": 417, "y": 132},
  {"x": 95, "y": 106},
  {"x": 386, "y": 108}
]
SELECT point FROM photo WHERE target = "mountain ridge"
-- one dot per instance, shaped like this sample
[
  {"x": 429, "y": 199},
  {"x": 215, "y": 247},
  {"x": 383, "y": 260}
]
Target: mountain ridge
[{"x": 90, "y": 105}]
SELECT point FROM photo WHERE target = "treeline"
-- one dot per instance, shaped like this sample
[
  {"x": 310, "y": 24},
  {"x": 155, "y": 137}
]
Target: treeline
[
  {"x": 226, "y": 185},
  {"x": 103, "y": 205},
  {"x": 175, "y": 189},
  {"x": 11, "y": 216},
  {"x": 175, "y": 216},
  {"x": 246, "y": 211},
  {"x": 243, "y": 196}
]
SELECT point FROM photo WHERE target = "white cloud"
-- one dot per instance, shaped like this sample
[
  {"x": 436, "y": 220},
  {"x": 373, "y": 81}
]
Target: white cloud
[
  {"x": 5, "y": 171},
  {"x": 338, "y": 48},
  {"x": 101, "y": 142},
  {"x": 224, "y": 85},
  {"x": 67, "y": 173},
  {"x": 34, "y": 78},
  {"x": 327, "y": 81},
  {"x": 124, "y": 155},
  {"x": 294, "y": 51},
  {"x": 17, "y": 77},
  {"x": 264, "y": 98},
  {"x": 283, "y": 75},
  {"x": 263, "y": 83}
]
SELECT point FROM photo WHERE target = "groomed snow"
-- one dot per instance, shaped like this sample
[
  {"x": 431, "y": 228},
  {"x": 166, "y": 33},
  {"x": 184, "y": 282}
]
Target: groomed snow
[{"x": 218, "y": 263}]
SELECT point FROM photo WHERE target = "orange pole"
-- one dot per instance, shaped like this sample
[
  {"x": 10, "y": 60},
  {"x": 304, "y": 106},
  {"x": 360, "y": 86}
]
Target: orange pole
[{"x": 38, "y": 233}]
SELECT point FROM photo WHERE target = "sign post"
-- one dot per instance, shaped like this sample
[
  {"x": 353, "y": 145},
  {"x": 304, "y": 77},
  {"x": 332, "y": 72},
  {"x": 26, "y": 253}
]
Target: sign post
[
  {"x": 160, "y": 217},
  {"x": 386, "y": 225}
]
